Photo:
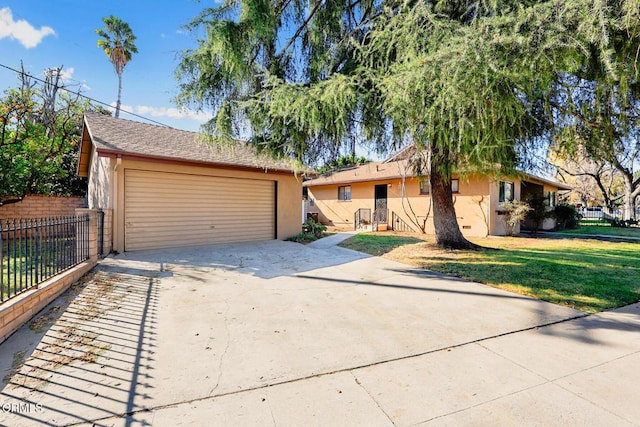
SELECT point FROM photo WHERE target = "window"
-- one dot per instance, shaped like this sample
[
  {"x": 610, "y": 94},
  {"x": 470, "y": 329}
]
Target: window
[
  {"x": 552, "y": 199},
  {"x": 425, "y": 186},
  {"x": 505, "y": 191},
  {"x": 344, "y": 193},
  {"x": 455, "y": 185}
]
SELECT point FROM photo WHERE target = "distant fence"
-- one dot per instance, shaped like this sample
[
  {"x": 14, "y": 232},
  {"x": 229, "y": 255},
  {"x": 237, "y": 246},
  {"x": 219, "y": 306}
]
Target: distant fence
[
  {"x": 599, "y": 214},
  {"x": 34, "y": 250}
]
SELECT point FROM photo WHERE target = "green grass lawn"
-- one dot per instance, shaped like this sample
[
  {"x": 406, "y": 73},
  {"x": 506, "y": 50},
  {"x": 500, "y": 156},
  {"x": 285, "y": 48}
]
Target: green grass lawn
[
  {"x": 604, "y": 230},
  {"x": 588, "y": 275},
  {"x": 378, "y": 244}
]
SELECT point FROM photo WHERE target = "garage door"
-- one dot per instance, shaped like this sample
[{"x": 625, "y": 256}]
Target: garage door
[{"x": 171, "y": 209}]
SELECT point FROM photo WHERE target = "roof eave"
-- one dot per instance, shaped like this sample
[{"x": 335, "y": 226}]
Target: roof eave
[{"x": 103, "y": 152}]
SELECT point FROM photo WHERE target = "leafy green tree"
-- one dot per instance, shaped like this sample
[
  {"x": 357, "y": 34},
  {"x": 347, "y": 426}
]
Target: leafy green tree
[
  {"x": 118, "y": 42},
  {"x": 469, "y": 82},
  {"x": 343, "y": 161},
  {"x": 39, "y": 135}
]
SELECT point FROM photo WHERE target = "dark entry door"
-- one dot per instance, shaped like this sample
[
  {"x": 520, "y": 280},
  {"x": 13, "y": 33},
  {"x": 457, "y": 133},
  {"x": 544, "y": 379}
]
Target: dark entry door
[{"x": 380, "y": 214}]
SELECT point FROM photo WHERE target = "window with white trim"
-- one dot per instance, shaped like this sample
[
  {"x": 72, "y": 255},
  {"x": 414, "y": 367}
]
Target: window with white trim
[
  {"x": 425, "y": 186},
  {"x": 455, "y": 185},
  {"x": 344, "y": 193},
  {"x": 506, "y": 191}
]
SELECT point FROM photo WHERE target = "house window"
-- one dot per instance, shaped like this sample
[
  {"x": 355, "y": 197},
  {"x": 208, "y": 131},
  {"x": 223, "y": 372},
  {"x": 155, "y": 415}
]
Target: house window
[
  {"x": 455, "y": 185},
  {"x": 552, "y": 199},
  {"x": 344, "y": 193},
  {"x": 506, "y": 192},
  {"x": 425, "y": 186}
]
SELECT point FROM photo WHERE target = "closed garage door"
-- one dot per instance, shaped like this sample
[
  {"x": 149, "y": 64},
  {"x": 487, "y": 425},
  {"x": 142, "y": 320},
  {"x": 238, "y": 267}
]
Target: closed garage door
[{"x": 171, "y": 209}]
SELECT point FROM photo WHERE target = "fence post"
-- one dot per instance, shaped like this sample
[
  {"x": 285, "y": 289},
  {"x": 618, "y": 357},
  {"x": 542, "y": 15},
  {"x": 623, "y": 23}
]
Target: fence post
[
  {"x": 100, "y": 232},
  {"x": 88, "y": 244},
  {"x": 2, "y": 263}
]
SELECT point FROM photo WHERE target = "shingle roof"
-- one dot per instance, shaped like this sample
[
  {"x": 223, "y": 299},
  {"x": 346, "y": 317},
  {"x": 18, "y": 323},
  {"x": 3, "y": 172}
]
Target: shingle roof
[
  {"x": 367, "y": 172},
  {"x": 115, "y": 135},
  {"x": 389, "y": 170}
]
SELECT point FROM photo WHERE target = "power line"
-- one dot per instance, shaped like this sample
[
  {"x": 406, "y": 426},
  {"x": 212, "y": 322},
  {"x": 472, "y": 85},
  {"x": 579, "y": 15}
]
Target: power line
[{"x": 81, "y": 95}]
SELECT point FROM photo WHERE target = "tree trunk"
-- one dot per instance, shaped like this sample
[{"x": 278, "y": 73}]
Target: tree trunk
[
  {"x": 119, "y": 95},
  {"x": 445, "y": 222},
  {"x": 630, "y": 194}
]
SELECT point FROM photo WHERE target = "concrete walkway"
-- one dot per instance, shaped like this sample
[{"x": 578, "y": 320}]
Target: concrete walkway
[
  {"x": 279, "y": 333},
  {"x": 333, "y": 240}
]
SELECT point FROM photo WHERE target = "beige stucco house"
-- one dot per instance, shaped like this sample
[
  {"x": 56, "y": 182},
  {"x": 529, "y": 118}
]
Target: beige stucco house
[
  {"x": 388, "y": 195},
  {"x": 161, "y": 187}
]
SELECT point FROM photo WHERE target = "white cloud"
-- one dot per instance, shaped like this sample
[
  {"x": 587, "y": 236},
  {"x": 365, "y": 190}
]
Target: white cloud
[
  {"x": 160, "y": 112},
  {"x": 21, "y": 30},
  {"x": 66, "y": 74},
  {"x": 174, "y": 113}
]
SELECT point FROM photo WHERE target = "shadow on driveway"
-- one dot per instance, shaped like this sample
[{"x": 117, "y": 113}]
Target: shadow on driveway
[
  {"x": 265, "y": 260},
  {"x": 88, "y": 355}
]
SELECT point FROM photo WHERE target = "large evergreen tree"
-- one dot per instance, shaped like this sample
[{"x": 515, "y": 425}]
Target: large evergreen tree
[{"x": 471, "y": 82}]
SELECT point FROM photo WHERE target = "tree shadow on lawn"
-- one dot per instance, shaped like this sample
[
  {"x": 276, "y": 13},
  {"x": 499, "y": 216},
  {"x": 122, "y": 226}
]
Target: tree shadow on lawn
[
  {"x": 588, "y": 280},
  {"x": 378, "y": 244}
]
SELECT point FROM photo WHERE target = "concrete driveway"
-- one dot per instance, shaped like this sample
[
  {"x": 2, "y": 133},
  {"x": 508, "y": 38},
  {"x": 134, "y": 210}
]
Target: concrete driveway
[{"x": 277, "y": 333}]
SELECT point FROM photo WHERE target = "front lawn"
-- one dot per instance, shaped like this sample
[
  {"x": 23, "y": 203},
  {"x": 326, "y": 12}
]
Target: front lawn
[
  {"x": 604, "y": 230},
  {"x": 588, "y": 275}
]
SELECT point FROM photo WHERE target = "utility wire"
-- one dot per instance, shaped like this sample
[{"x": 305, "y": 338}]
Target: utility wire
[{"x": 81, "y": 95}]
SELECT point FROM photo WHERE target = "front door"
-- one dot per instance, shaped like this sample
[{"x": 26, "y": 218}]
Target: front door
[{"x": 380, "y": 213}]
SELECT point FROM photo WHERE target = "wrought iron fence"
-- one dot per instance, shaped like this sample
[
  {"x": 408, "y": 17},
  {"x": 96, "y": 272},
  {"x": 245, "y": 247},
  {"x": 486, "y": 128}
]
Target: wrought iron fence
[
  {"x": 398, "y": 224},
  {"x": 361, "y": 218},
  {"x": 34, "y": 250}
]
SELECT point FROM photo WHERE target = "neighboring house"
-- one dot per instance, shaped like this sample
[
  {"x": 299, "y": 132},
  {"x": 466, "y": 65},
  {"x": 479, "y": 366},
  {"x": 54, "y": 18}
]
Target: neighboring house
[
  {"x": 161, "y": 187},
  {"x": 388, "y": 195}
]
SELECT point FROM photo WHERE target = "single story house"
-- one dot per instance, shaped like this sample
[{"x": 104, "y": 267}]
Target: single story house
[
  {"x": 162, "y": 187},
  {"x": 390, "y": 196}
]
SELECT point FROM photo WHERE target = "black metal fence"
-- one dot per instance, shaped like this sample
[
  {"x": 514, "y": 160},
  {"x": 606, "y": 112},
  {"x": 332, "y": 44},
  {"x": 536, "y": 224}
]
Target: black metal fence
[
  {"x": 398, "y": 224},
  {"x": 361, "y": 218},
  {"x": 34, "y": 250}
]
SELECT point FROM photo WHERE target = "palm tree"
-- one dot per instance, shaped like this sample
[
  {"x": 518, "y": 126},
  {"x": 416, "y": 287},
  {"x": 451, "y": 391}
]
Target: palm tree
[{"x": 117, "y": 41}]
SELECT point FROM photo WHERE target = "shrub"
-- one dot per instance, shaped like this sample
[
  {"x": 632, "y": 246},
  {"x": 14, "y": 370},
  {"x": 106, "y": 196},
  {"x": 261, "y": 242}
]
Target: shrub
[
  {"x": 567, "y": 217},
  {"x": 514, "y": 213},
  {"x": 539, "y": 211},
  {"x": 311, "y": 231},
  {"x": 622, "y": 223},
  {"x": 315, "y": 228}
]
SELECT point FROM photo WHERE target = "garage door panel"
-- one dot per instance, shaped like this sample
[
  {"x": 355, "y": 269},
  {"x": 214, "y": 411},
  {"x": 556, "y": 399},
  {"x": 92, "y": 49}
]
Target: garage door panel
[{"x": 169, "y": 209}]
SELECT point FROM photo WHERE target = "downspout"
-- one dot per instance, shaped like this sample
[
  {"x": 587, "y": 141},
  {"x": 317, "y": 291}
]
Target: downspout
[{"x": 117, "y": 216}]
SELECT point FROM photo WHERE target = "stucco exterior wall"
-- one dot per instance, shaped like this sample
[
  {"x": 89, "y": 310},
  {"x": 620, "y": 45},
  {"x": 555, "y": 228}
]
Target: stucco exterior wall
[
  {"x": 99, "y": 182},
  {"x": 289, "y": 202},
  {"x": 497, "y": 219},
  {"x": 471, "y": 204}
]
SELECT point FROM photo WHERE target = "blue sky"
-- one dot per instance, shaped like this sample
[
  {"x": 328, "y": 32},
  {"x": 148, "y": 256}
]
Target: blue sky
[{"x": 62, "y": 33}]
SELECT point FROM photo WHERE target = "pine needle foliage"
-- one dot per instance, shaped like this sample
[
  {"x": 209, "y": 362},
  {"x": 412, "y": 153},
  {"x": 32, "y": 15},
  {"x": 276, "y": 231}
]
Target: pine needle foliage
[{"x": 474, "y": 82}]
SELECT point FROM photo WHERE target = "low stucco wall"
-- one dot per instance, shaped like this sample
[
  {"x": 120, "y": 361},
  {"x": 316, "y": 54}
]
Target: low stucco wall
[{"x": 20, "y": 309}]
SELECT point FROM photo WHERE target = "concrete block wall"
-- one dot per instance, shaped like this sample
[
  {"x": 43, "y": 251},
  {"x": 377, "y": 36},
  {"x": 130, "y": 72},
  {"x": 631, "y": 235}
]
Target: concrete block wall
[
  {"x": 35, "y": 206},
  {"x": 18, "y": 310},
  {"x": 108, "y": 232}
]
